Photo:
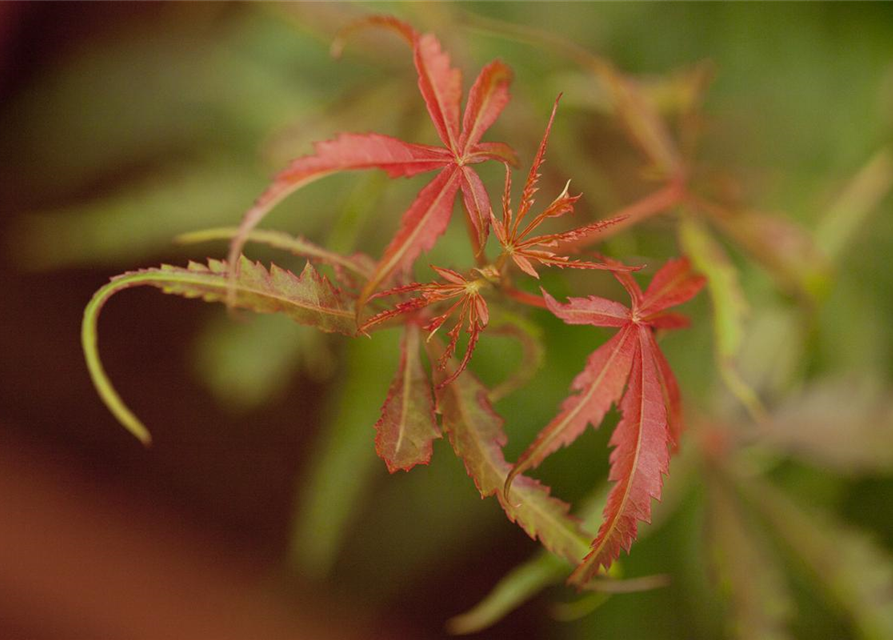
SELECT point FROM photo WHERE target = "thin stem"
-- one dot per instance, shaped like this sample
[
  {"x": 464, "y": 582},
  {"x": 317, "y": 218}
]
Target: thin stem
[
  {"x": 523, "y": 297},
  {"x": 665, "y": 198}
]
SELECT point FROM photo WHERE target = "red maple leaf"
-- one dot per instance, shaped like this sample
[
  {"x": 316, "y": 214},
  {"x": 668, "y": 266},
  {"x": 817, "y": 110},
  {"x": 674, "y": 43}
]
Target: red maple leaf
[
  {"x": 470, "y": 308},
  {"x": 651, "y": 411},
  {"x": 427, "y": 217},
  {"x": 516, "y": 241}
]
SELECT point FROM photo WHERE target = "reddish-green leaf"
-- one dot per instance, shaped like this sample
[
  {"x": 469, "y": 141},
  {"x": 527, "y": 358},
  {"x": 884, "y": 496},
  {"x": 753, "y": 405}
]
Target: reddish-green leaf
[
  {"x": 424, "y": 222},
  {"x": 308, "y": 299},
  {"x": 407, "y": 427},
  {"x": 600, "y": 385},
  {"x": 349, "y": 151},
  {"x": 476, "y": 434},
  {"x": 487, "y": 98},
  {"x": 638, "y": 463}
]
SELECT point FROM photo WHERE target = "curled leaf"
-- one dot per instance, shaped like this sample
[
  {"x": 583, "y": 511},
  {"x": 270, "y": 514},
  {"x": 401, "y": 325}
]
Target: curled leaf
[{"x": 307, "y": 299}]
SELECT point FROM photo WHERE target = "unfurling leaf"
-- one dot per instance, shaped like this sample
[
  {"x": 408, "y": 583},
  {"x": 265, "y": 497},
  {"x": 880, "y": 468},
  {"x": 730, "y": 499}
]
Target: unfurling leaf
[
  {"x": 407, "y": 427},
  {"x": 308, "y": 299},
  {"x": 476, "y": 434}
]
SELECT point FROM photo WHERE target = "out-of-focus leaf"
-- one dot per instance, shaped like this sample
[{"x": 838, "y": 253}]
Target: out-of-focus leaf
[
  {"x": 246, "y": 364},
  {"x": 855, "y": 572},
  {"x": 845, "y": 424},
  {"x": 516, "y": 587},
  {"x": 729, "y": 305},
  {"x": 138, "y": 221},
  {"x": 744, "y": 568},
  {"x": 476, "y": 434},
  {"x": 343, "y": 460},
  {"x": 407, "y": 427},
  {"x": 783, "y": 247},
  {"x": 630, "y": 103},
  {"x": 307, "y": 299},
  {"x": 852, "y": 209}
]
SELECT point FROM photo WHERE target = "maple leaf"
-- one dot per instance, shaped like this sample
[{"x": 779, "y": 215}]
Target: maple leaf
[
  {"x": 471, "y": 310},
  {"x": 650, "y": 407},
  {"x": 407, "y": 427},
  {"x": 427, "y": 217},
  {"x": 307, "y": 299},
  {"x": 525, "y": 250},
  {"x": 476, "y": 435}
]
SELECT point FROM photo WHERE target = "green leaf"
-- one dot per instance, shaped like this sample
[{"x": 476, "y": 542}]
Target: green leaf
[
  {"x": 744, "y": 568},
  {"x": 516, "y": 587},
  {"x": 247, "y": 364},
  {"x": 407, "y": 427},
  {"x": 307, "y": 299},
  {"x": 729, "y": 305},
  {"x": 476, "y": 434},
  {"x": 851, "y": 211},
  {"x": 343, "y": 459},
  {"x": 855, "y": 572},
  {"x": 352, "y": 270}
]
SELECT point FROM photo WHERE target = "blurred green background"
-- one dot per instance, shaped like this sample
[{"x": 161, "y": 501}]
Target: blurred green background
[{"x": 125, "y": 124}]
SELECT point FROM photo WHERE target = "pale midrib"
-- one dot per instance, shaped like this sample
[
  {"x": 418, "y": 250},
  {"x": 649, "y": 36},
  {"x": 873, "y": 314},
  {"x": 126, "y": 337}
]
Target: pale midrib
[
  {"x": 390, "y": 265},
  {"x": 410, "y": 347},
  {"x": 205, "y": 280},
  {"x": 596, "y": 552}
]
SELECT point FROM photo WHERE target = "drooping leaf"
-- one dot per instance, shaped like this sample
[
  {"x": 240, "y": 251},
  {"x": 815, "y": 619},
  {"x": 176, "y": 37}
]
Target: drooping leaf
[
  {"x": 342, "y": 463},
  {"x": 852, "y": 569},
  {"x": 638, "y": 463},
  {"x": 476, "y": 434},
  {"x": 307, "y": 299},
  {"x": 516, "y": 587},
  {"x": 744, "y": 568},
  {"x": 407, "y": 427}
]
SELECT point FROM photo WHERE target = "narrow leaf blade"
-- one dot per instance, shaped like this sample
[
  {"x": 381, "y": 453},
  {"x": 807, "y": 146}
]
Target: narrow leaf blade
[
  {"x": 424, "y": 222},
  {"x": 487, "y": 98},
  {"x": 307, "y": 299},
  {"x": 441, "y": 88},
  {"x": 600, "y": 385},
  {"x": 347, "y": 152},
  {"x": 476, "y": 434},
  {"x": 638, "y": 463},
  {"x": 407, "y": 428}
]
